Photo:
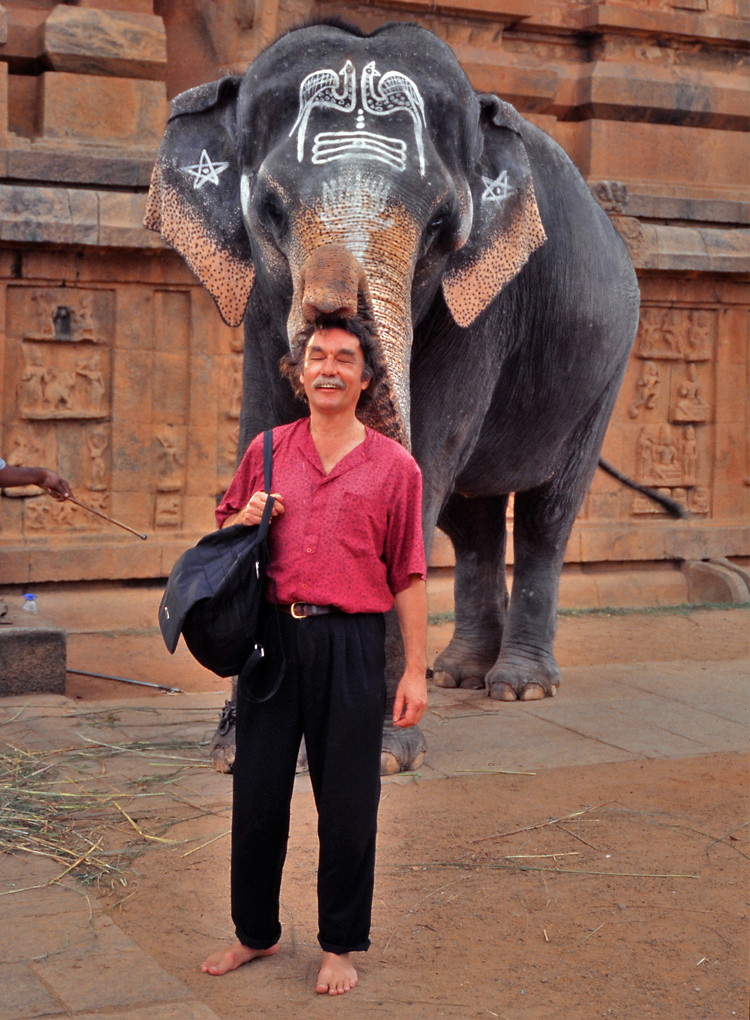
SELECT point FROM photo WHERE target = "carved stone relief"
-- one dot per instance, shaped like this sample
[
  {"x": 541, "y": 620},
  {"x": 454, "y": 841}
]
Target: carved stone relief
[
  {"x": 56, "y": 381},
  {"x": 688, "y": 402},
  {"x": 170, "y": 460},
  {"x": 62, "y": 313},
  {"x": 168, "y": 510},
  {"x": 48, "y": 516},
  {"x": 646, "y": 389},
  {"x": 29, "y": 446},
  {"x": 97, "y": 442},
  {"x": 667, "y": 460},
  {"x": 232, "y": 389},
  {"x": 675, "y": 333},
  {"x": 229, "y": 438}
]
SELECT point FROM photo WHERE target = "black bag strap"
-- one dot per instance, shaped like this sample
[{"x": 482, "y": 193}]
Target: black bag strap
[{"x": 265, "y": 521}]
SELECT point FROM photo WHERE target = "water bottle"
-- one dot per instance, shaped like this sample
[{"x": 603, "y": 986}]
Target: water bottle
[{"x": 29, "y": 603}]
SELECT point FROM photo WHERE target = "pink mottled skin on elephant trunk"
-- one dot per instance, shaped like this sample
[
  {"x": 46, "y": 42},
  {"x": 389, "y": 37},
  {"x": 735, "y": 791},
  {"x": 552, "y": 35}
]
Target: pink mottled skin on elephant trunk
[{"x": 342, "y": 258}]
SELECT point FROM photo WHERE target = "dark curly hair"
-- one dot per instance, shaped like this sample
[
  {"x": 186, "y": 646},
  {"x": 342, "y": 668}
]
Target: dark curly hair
[{"x": 359, "y": 325}]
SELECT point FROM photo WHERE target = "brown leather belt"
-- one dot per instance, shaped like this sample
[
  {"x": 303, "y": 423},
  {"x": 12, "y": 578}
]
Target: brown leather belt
[{"x": 301, "y": 610}]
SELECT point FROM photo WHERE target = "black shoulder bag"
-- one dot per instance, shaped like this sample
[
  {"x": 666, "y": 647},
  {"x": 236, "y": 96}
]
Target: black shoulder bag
[{"x": 215, "y": 592}]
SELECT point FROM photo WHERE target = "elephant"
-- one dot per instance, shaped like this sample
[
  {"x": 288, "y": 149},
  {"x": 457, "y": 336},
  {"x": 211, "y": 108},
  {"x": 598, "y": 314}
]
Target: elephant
[{"x": 348, "y": 170}]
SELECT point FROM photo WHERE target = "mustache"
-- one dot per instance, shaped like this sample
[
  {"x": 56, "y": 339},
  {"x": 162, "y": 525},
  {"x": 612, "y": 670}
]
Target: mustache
[{"x": 329, "y": 383}]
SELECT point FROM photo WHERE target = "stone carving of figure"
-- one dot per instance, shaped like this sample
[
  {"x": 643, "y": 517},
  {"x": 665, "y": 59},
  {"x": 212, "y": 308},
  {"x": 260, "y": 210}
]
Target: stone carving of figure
[
  {"x": 83, "y": 317},
  {"x": 170, "y": 463},
  {"x": 666, "y": 465},
  {"x": 32, "y": 379},
  {"x": 698, "y": 345},
  {"x": 689, "y": 455},
  {"x": 58, "y": 390},
  {"x": 690, "y": 406},
  {"x": 647, "y": 389},
  {"x": 648, "y": 332},
  {"x": 645, "y": 451},
  {"x": 97, "y": 444},
  {"x": 700, "y": 502},
  {"x": 91, "y": 369},
  {"x": 669, "y": 334}
]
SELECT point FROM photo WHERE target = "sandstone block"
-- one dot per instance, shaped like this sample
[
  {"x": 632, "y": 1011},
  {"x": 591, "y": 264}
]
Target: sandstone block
[
  {"x": 32, "y": 659},
  {"x": 646, "y": 93},
  {"x": 120, "y": 43},
  {"x": 52, "y": 215},
  {"x": 121, "y": 221},
  {"x": 712, "y": 582},
  {"x": 85, "y": 108}
]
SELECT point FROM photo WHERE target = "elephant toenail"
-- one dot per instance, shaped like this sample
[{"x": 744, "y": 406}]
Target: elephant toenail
[
  {"x": 532, "y": 692},
  {"x": 502, "y": 692}
]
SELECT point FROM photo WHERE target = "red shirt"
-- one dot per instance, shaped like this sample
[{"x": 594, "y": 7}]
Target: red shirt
[{"x": 350, "y": 539}]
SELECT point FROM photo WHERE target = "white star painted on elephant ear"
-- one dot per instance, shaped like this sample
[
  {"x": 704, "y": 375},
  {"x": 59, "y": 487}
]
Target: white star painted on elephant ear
[
  {"x": 497, "y": 190},
  {"x": 205, "y": 171}
]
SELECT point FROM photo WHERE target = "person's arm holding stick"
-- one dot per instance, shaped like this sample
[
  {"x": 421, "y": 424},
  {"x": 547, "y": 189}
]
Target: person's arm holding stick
[{"x": 43, "y": 477}]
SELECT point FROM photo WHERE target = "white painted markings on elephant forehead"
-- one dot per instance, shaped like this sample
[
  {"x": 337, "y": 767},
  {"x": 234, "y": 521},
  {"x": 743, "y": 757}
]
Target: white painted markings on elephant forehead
[
  {"x": 354, "y": 205},
  {"x": 497, "y": 190},
  {"x": 338, "y": 90},
  {"x": 329, "y": 146},
  {"x": 328, "y": 89},
  {"x": 205, "y": 171}
]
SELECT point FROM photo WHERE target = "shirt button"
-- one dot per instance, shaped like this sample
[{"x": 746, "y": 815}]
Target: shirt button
[{"x": 309, "y": 550}]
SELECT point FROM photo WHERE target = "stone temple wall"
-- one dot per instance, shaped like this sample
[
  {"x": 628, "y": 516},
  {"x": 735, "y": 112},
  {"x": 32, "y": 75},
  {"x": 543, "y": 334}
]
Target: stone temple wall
[{"x": 116, "y": 367}]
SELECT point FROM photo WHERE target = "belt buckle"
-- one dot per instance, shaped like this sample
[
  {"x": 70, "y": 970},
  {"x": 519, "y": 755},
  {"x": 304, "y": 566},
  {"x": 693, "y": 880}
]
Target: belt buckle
[{"x": 295, "y": 614}]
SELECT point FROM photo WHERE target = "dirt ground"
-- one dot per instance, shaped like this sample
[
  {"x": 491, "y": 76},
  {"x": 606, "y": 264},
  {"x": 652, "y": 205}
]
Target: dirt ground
[
  {"x": 631, "y": 904},
  {"x": 635, "y": 909}
]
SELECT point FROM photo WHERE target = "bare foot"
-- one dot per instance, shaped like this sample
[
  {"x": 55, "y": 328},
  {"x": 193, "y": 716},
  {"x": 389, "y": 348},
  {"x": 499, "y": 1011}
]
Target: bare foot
[
  {"x": 337, "y": 974},
  {"x": 233, "y": 957}
]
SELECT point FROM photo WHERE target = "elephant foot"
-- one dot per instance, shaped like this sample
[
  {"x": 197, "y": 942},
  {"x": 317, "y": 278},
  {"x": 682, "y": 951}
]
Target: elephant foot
[
  {"x": 523, "y": 680},
  {"x": 222, "y": 748},
  {"x": 402, "y": 750},
  {"x": 459, "y": 666}
]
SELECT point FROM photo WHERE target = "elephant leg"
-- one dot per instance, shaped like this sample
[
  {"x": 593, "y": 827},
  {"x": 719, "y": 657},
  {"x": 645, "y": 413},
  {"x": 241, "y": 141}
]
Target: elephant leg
[
  {"x": 402, "y": 749},
  {"x": 476, "y": 527},
  {"x": 526, "y": 669}
]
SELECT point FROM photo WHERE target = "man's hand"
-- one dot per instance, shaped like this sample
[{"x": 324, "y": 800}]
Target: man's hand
[
  {"x": 45, "y": 479},
  {"x": 411, "y": 699},
  {"x": 411, "y": 693},
  {"x": 252, "y": 511},
  {"x": 55, "y": 485}
]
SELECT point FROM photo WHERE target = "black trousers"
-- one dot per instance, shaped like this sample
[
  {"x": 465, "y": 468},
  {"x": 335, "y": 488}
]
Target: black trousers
[{"x": 333, "y": 693}]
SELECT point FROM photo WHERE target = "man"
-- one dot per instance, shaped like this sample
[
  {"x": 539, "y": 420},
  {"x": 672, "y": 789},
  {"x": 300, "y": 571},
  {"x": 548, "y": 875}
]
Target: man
[
  {"x": 345, "y": 545},
  {"x": 45, "y": 479}
]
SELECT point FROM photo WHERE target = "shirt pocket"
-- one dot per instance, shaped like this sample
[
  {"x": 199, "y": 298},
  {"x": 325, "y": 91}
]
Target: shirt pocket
[{"x": 357, "y": 525}]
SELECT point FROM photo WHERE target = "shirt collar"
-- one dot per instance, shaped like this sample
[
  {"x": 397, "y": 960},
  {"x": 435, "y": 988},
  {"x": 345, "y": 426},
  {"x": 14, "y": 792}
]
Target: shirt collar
[{"x": 350, "y": 461}]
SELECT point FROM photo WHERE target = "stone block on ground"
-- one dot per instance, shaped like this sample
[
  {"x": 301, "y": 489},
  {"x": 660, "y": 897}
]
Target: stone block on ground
[
  {"x": 742, "y": 572},
  {"x": 712, "y": 582},
  {"x": 32, "y": 658}
]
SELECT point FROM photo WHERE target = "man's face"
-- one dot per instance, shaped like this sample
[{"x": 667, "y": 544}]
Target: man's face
[{"x": 332, "y": 371}]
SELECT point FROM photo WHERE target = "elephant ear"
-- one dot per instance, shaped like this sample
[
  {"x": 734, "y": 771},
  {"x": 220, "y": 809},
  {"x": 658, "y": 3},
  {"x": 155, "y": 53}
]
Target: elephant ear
[
  {"x": 194, "y": 198},
  {"x": 507, "y": 226}
]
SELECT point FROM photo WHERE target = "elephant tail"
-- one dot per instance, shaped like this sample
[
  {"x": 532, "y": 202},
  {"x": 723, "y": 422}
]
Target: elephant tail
[{"x": 673, "y": 508}]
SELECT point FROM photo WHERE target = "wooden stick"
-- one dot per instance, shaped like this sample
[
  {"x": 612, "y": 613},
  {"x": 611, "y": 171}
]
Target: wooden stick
[{"x": 104, "y": 517}]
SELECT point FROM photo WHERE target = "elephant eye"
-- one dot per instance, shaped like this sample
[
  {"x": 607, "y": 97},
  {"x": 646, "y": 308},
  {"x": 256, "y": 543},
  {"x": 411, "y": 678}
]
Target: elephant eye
[
  {"x": 437, "y": 224},
  {"x": 272, "y": 214}
]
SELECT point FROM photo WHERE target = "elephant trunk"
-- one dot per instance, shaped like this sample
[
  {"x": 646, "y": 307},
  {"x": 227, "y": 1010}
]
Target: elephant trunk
[{"x": 374, "y": 271}]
